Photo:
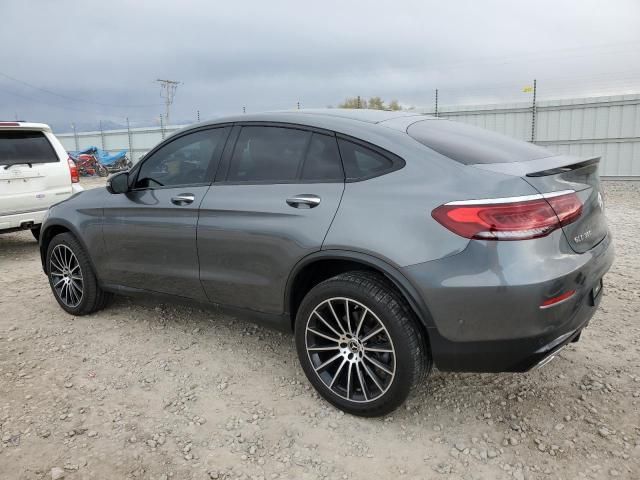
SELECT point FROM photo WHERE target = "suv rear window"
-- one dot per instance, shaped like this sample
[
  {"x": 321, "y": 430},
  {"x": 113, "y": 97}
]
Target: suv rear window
[
  {"x": 471, "y": 145},
  {"x": 23, "y": 146}
]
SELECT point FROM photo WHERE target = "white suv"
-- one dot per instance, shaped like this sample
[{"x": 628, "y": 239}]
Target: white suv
[{"x": 35, "y": 173}]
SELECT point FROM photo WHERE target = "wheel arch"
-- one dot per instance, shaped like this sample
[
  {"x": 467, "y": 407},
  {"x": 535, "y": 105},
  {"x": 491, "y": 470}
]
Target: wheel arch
[
  {"x": 53, "y": 229},
  {"x": 325, "y": 264}
]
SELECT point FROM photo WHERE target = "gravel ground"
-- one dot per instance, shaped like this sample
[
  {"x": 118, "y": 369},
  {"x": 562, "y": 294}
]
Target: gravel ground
[{"x": 142, "y": 390}]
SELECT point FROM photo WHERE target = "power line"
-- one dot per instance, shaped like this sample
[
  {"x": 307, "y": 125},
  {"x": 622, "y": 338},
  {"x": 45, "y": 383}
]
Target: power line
[{"x": 67, "y": 97}]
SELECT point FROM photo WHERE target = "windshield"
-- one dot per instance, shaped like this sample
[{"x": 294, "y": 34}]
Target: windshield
[
  {"x": 24, "y": 146},
  {"x": 472, "y": 145}
]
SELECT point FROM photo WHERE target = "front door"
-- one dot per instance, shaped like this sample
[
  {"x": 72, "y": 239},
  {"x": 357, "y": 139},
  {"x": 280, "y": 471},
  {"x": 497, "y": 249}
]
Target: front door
[
  {"x": 272, "y": 207},
  {"x": 150, "y": 232}
]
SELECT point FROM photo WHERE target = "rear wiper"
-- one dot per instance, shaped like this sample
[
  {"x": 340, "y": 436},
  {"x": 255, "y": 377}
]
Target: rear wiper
[{"x": 7, "y": 167}]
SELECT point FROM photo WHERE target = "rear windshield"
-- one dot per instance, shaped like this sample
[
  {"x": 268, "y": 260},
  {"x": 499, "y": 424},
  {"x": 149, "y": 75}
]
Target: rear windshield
[
  {"x": 471, "y": 145},
  {"x": 23, "y": 146}
]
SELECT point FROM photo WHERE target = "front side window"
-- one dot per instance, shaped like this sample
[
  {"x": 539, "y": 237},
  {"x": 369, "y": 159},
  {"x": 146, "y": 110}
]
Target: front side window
[
  {"x": 265, "y": 154},
  {"x": 184, "y": 161}
]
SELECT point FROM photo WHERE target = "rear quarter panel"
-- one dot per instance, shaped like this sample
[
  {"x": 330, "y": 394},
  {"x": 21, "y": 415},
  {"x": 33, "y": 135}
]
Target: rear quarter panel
[{"x": 390, "y": 216}]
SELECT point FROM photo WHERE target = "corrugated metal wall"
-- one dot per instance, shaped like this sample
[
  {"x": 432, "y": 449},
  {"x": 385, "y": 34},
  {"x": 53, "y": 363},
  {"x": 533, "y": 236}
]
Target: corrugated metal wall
[
  {"x": 604, "y": 126},
  {"x": 137, "y": 141},
  {"x": 599, "y": 126}
]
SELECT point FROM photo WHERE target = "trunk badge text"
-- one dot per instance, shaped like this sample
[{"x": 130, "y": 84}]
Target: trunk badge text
[{"x": 582, "y": 237}]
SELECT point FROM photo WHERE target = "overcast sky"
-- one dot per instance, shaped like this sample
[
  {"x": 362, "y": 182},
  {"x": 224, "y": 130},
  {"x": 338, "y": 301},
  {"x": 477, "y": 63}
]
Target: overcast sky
[{"x": 98, "y": 60}]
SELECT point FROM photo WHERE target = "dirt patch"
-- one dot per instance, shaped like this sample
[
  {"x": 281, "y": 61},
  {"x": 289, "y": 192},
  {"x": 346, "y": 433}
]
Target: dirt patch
[{"x": 154, "y": 391}]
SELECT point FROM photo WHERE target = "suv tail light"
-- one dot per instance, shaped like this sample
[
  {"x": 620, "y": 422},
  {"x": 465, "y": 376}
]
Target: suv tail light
[
  {"x": 516, "y": 218},
  {"x": 73, "y": 170}
]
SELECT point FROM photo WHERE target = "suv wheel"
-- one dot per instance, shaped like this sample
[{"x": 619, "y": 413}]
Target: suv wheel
[
  {"x": 359, "y": 343},
  {"x": 71, "y": 277}
]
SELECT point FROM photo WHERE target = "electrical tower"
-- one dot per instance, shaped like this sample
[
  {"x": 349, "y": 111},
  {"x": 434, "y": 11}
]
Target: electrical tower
[{"x": 167, "y": 91}]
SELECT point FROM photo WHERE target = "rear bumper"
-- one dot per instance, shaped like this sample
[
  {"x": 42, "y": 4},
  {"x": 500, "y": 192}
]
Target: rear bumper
[
  {"x": 21, "y": 221},
  {"x": 484, "y": 303}
]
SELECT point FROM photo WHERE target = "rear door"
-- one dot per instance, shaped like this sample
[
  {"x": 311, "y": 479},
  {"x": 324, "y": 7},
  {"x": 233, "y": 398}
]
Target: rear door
[
  {"x": 274, "y": 199},
  {"x": 150, "y": 231},
  {"x": 32, "y": 175}
]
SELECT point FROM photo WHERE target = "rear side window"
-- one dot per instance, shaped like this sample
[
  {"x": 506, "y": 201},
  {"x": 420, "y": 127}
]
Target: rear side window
[
  {"x": 322, "y": 162},
  {"x": 361, "y": 162},
  {"x": 472, "y": 145},
  {"x": 265, "y": 154},
  {"x": 23, "y": 146}
]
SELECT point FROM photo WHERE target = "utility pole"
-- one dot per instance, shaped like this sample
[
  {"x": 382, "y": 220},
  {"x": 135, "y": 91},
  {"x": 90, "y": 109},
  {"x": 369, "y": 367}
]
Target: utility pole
[{"x": 167, "y": 91}]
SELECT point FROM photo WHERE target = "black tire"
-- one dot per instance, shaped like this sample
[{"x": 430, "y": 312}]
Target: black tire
[
  {"x": 36, "y": 232},
  {"x": 93, "y": 298},
  {"x": 372, "y": 294}
]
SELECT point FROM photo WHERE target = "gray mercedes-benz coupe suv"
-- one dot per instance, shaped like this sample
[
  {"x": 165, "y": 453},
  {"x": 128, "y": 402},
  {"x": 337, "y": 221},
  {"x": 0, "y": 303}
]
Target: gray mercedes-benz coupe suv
[{"x": 387, "y": 242}]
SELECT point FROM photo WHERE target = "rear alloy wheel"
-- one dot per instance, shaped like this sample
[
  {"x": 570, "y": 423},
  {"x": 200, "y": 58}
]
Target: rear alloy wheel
[
  {"x": 359, "y": 344},
  {"x": 71, "y": 277}
]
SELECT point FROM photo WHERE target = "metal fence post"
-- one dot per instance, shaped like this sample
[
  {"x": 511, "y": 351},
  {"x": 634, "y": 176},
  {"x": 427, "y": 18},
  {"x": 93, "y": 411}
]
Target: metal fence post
[
  {"x": 161, "y": 127},
  {"x": 130, "y": 141},
  {"x": 102, "y": 136},
  {"x": 75, "y": 137},
  {"x": 534, "y": 112}
]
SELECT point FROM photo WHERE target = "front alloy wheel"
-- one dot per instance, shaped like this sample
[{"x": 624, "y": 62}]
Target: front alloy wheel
[
  {"x": 71, "y": 276},
  {"x": 359, "y": 343},
  {"x": 66, "y": 275}
]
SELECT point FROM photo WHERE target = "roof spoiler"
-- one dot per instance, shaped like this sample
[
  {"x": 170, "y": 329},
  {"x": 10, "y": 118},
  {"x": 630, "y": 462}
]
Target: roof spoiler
[{"x": 566, "y": 168}]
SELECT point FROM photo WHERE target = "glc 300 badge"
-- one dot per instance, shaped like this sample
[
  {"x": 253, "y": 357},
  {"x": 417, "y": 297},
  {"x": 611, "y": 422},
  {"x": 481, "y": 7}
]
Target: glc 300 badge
[{"x": 582, "y": 237}]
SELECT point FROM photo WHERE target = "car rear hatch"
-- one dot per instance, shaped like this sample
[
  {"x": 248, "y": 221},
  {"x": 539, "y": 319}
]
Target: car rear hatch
[
  {"x": 562, "y": 173},
  {"x": 30, "y": 175},
  {"x": 546, "y": 171}
]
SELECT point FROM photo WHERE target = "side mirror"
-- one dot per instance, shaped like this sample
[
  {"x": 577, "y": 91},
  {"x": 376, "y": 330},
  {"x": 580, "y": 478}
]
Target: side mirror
[{"x": 118, "y": 183}]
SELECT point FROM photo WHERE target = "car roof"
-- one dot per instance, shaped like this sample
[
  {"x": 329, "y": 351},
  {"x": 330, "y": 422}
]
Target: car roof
[
  {"x": 13, "y": 125},
  {"x": 315, "y": 117}
]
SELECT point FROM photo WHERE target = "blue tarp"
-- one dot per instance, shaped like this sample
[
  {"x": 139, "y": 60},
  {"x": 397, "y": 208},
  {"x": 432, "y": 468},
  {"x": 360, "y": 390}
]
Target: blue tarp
[{"x": 103, "y": 156}]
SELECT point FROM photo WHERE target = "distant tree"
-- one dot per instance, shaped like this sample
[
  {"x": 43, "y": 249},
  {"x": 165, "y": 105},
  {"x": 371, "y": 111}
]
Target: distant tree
[
  {"x": 394, "y": 105},
  {"x": 352, "y": 102},
  {"x": 374, "y": 103}
]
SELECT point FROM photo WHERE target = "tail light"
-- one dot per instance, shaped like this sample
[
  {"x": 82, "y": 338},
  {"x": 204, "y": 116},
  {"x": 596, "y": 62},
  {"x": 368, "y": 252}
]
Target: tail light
[
  {"x": 73, "y": 170},
  {"x": 516, "y": 218}
]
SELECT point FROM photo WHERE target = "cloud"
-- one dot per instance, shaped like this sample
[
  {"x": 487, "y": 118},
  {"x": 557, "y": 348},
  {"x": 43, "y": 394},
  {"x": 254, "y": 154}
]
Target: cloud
[{"x": 270, "y": 55}]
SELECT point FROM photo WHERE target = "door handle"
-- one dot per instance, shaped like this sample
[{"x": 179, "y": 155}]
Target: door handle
[
  {"x": 183, "y": 199},
  {"x": 304, "y": 201}
]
